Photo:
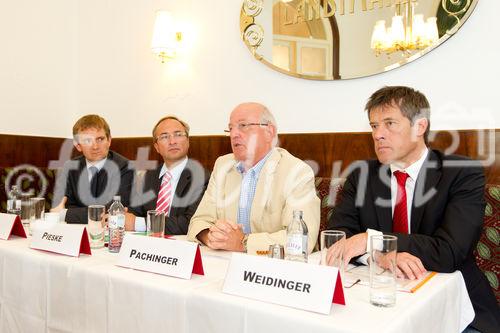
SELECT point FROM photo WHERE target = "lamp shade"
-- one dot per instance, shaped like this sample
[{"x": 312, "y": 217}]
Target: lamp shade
[
  {"x": 397, "y": 30},
  {"x": 432, "y": 30},
  {"x": 164, "y": 40},
  {"x": 378, "y": 35}
]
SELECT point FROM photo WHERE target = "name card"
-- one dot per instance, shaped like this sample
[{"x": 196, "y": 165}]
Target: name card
[
  {"x": 294, "y": 284},
  {"x": 65, "y": 239},
  {"x": 159, "y": 255},
  {"x": 10, "y": 224}
]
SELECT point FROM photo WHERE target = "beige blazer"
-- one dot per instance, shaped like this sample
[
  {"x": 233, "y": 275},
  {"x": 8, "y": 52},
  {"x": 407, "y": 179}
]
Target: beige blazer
[{"x": 285, "y": 184}]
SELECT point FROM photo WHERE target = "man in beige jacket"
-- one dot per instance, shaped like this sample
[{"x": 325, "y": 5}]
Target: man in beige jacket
[{"x": 253, "y": 191}]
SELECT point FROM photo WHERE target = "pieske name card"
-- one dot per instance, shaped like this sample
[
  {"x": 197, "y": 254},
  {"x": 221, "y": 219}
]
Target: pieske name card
[
  {"x": 10, "y": 224},
  {"x": 294, "y": 284},
  {"x": 70, "y": 240},
  {"x": 159, "y": 255}
]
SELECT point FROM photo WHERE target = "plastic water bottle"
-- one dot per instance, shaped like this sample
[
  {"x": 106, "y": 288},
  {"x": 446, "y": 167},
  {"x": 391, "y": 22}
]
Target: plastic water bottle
[
  {"x": 14, "y": 201},
  {"x": 116, "y": 224},
  {"x": 296, "y": 238}
]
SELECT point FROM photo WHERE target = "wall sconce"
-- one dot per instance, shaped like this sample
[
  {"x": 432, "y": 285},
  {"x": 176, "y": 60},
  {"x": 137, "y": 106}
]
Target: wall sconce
[{"x": 165, "y": 39}]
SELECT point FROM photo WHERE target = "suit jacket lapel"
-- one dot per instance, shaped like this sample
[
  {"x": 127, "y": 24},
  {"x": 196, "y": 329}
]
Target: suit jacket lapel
[
  {"x": 428, "y": 178},
  {"x": 231, "y": 194},
  {"x": 153, "y": 183},
  {"x": 381, "y": 192},
  {"x": 263, "y": 189},
  {"x": 182, "y": 184}
]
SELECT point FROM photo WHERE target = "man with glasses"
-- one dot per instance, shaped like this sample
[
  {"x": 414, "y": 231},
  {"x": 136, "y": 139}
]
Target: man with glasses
[
  {"x": 253, "y": 192},
  {"x": 96, "y": 176},
  {"x": 175, "y": 187}
]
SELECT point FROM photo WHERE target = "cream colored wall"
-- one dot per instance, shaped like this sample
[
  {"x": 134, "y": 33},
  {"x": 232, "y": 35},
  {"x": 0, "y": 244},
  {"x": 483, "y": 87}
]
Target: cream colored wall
[{"x": 70, "y": 57}]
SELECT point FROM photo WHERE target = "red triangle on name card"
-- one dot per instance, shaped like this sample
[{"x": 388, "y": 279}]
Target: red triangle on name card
[
  {"x": 84, "y": 243},
  {"x": 338, "y": 293},
  {"x": 198, "y": 264},
  {"x": 17, "y": 228}
]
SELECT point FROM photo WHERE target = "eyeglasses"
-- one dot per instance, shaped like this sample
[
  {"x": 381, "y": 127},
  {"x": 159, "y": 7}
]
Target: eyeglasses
[
  {"x": 164, "y": 137},
  {"x": 243, "y": 127}
]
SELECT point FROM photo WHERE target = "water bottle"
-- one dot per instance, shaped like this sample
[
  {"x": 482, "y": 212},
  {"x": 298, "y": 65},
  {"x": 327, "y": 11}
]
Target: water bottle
[
  {"x": 296, "y": 238},
  {"x": 14, "y": 201},
  {"x": 116, "y": 224}
]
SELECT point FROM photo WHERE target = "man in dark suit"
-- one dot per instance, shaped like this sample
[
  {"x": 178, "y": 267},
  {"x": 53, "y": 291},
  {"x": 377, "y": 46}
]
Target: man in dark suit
[
  {"x": 432, "y": 202},
  {"x": 175, "y": 187},
  {"x": 96, "y": 176}
]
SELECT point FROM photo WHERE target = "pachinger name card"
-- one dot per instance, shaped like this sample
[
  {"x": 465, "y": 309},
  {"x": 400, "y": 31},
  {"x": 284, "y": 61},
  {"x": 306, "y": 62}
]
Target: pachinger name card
[
  {"x": 10, "y": 224},
  {"x": 65, "y": 239},
  {"x": 294, "y": 284},
  {"x": 159, "y": 255}
]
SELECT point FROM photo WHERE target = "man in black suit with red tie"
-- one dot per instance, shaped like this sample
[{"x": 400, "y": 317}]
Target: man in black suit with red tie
[
  {"x": 432, "y": 202},
  {"x": 175, "y": 187}
]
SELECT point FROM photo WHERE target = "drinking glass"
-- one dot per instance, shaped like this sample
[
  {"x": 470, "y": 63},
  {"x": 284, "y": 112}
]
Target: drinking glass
[
  {"x": 37, "y": 212},
  {"x": 95, "y": 226},
  {"x": 383, "y": 270},
  {"x": 333, "y": 240},
  {"x": 155, "y": 224}
]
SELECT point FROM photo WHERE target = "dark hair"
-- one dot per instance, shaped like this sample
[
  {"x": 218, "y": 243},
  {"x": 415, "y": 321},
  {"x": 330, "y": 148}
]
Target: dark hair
[
  {"x": 183, "y": 123},
  {"x": 412, "y": 103},
  {"x": 91, "y": 121}
]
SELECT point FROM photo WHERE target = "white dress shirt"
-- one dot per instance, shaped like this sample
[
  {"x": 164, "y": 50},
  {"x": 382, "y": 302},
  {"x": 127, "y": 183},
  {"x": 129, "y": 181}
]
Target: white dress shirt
[
  {"x": 412, "y": 170},
  {"x": 176, "y": 171}
]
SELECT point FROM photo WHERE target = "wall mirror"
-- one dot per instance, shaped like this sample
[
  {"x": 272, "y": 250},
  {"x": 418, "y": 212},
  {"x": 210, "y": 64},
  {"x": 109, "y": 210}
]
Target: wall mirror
[{"x": 344, "y": 39}]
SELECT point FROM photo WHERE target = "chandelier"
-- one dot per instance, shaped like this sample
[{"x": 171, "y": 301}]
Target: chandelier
[{"x": 408, "y": 31}]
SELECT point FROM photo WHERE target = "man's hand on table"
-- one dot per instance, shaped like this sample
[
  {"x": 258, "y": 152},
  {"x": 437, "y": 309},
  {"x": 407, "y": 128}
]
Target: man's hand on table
[
  {"x": 223, "y": 235},
  {"x": 408, "y": 266}
]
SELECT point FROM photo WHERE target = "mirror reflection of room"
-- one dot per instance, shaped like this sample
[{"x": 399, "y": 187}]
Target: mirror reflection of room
[{"x": 342, "y": 39}]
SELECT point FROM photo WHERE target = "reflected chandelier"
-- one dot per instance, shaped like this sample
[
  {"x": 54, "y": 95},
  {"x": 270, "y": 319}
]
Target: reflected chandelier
[{"x": 408, "y": 31}]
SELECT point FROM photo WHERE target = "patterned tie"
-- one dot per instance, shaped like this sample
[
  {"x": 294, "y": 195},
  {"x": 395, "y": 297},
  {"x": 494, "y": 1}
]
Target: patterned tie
[
  {"x": 165, "y": 195},
  {"x": 400, "y": 217}
]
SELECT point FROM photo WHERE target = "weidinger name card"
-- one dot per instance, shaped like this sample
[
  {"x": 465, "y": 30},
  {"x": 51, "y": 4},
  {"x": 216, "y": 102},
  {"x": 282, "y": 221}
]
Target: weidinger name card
[
  {"x": 294, "y": 284},
  {"x": 65, "y": 239},
  {"x": 159, "y": 255},
  {"x": 10, "y": 224}
]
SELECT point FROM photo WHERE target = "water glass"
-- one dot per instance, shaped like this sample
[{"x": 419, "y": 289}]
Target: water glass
[
  {"x": 332, "y": 242},
  {"x": 37, "y": 212},
  {"x": 276, "y": 251},
  {"x": 155, "y": 223},
  {"x": 96, "y": 226},
  {"x": 26, "y": 209},
  {"x": 383, "y": 270},
  {"x": 37, "y": 208}
]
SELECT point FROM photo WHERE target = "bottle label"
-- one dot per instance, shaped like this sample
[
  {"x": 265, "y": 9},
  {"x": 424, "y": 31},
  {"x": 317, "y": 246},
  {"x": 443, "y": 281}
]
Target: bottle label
[
  {"x": 13, "y": 204},
  {"x": 117, "y": 221},
  {"x": 294, "y": 244}
]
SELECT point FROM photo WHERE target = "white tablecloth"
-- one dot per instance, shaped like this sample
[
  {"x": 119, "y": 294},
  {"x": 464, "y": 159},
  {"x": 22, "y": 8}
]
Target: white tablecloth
[{"x": 46, "y": 292}]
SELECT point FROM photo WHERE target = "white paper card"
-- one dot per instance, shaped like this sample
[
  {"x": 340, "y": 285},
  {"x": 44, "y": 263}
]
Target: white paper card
[
  {"x": 6, "y": 225},
  {"x": 295, "y": 284},
  {"x": 158, "y": 255},
  {"x": 61, "y": 238}
]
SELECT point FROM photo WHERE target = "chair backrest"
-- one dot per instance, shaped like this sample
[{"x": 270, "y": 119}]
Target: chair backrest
[
  {"x": 488, "y": 248},
  {"x": 32, "y": 182},
  {"x": 329, "y": 191}
]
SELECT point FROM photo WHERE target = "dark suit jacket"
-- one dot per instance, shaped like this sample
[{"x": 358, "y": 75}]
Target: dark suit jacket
[
  {"x": 188, "y": 193},
  {"x": 445, "y": 228},
  {"x": 115, "y": 178}
]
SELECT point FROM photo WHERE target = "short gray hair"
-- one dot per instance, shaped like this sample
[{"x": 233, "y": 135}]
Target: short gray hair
[{"x": 267, "y": 117}]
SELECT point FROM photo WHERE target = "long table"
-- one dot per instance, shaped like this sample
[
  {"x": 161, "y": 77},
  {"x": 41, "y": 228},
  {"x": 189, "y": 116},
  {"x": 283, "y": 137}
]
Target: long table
[{"x": 47, "y": 292}]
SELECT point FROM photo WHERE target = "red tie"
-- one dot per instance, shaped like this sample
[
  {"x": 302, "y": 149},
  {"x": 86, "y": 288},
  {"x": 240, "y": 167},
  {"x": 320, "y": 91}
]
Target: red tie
[
  {"x": 400, "y": 217},
  {"x": 165, "y": 195}
]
